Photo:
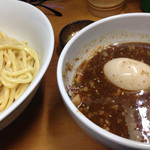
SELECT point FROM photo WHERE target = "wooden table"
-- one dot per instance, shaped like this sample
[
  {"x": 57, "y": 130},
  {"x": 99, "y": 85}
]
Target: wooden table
[{"x": 46, "y": 124}]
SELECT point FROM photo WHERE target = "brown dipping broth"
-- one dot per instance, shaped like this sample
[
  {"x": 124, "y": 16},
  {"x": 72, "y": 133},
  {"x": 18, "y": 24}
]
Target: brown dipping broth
[{"x": 122, "y": 112}]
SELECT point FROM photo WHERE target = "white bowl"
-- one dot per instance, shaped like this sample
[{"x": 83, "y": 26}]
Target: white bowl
[
  {"x": 23, "y": 21},
  {"x": 120, "y": 28}
]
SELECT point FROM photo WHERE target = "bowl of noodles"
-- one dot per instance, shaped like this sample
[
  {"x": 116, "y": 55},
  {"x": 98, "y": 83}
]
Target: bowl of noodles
[
  {"x": 103, "y": 75},
  {"x": 26, "y": 48}
]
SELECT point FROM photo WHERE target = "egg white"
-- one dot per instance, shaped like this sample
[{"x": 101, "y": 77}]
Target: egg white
[{"x": 128, "y": 74}]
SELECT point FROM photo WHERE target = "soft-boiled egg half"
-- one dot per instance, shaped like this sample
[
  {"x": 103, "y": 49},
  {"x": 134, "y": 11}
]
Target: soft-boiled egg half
[{"x": 128, "y": 74}]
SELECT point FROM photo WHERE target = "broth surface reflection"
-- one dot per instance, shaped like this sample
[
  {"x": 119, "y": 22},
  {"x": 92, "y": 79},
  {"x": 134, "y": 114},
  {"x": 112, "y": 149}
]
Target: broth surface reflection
[{"x": 120, "y": 111}]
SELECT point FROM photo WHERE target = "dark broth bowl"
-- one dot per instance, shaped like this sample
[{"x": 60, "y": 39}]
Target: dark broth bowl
[
  {"x": 120, "y": 28},
  {"x": 71, "y": 29}
]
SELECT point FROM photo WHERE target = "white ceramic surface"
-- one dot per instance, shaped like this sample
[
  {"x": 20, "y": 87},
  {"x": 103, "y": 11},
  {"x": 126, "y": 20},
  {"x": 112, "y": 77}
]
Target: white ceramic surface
[
  {"x": 119, "y": 28},
  {"x": 23, "y": 21}
]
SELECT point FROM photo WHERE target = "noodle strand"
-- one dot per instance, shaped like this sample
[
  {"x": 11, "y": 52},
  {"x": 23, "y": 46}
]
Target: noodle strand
[{"x": 19, "y": 64}]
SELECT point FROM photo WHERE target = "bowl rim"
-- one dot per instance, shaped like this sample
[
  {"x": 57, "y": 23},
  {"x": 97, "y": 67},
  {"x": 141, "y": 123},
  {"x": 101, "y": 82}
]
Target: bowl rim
[
  {"x": 72, "y": 108},
  {"x": 43, "y": 69}
]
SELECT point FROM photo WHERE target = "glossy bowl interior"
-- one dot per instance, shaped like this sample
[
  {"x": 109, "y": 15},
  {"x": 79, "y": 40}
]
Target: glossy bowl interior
[
  {"x": 23, "y": 21},
  {"x": 120, "y": 28}
]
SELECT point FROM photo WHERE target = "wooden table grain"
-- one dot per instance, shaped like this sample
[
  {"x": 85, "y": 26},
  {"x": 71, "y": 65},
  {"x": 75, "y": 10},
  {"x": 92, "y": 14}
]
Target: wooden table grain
[{"x": 46, "y": 124}]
